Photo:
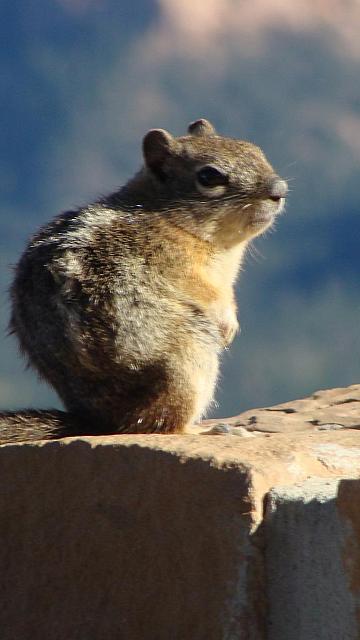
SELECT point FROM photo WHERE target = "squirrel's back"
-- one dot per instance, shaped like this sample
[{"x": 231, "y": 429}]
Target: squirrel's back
[{"x": 124, "y": 306}]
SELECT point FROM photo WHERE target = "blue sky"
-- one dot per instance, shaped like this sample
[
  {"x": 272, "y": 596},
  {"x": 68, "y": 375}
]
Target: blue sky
[{"x": 84, "y": 80}]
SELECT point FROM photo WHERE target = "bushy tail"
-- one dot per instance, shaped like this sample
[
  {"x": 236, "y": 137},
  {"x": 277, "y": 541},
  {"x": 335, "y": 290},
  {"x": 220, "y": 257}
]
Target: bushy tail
[{"x": 30, "y": 425}]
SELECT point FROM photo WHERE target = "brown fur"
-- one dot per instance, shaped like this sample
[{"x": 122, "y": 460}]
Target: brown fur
[{"x": 125, "y": 305}]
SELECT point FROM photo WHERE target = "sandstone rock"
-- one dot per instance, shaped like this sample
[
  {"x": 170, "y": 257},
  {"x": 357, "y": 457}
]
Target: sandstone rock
[
  {"x": 313, "y": 560},
  {"x": 157, "y": 537},
  {"x": 121, "y": 538},
  {"x": 329, "y": 409}
]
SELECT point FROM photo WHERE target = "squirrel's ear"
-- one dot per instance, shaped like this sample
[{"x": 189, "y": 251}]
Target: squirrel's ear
[
  {"x": 157, "y": 146},
  {"x": 201, "y": 127}
]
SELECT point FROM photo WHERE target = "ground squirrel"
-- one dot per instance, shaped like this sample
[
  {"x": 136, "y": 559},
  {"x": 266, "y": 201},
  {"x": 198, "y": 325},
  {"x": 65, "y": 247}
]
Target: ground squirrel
[{"x": 125, "y": 305}]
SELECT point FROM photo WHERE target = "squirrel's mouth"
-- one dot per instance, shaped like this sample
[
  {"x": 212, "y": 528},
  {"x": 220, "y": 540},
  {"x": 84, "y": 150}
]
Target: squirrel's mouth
[
  {"x": 260, "y": 215},
  {"x": 268, "y": 205},
  {"x": 247, "y": 220},
  {"x": 263, "y": 211}
]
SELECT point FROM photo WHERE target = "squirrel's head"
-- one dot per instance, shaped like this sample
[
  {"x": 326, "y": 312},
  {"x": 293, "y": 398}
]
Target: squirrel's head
[{"x": 223, "y": 180}]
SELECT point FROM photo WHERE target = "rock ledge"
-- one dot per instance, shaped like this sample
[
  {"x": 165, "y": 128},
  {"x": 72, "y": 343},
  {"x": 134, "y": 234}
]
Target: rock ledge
[{"x": 188, "y": 537}]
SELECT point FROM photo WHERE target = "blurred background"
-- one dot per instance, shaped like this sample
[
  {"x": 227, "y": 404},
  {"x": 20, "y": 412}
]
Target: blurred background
[{"x": 83, "y": 80}]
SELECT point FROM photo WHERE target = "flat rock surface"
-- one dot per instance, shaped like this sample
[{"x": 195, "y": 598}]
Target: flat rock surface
[{"x": 329, "y": 409}]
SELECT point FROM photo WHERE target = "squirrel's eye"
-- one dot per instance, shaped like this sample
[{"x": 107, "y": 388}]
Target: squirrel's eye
[{"x": 211, "y": 177}]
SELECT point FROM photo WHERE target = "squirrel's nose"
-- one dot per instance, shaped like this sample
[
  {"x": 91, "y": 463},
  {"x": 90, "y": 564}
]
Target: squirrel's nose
[{"x": 277, "y": 189}]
